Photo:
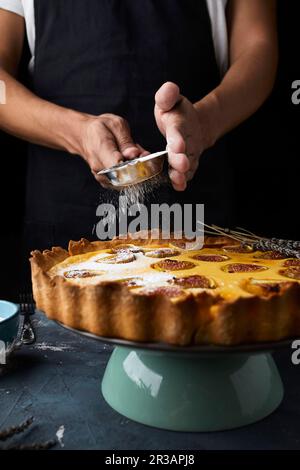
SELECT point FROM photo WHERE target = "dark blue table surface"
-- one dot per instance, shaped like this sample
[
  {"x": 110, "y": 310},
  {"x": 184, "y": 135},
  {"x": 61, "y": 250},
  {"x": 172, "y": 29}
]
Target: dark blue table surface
[{"x": 58, "y": 379}]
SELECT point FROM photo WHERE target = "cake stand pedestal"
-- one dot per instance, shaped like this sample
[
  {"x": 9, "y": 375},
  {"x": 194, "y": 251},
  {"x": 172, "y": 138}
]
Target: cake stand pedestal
[{"x": 197, "y": 388}]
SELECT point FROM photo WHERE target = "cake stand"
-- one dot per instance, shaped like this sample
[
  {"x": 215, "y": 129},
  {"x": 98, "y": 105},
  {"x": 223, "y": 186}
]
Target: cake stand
[{"x": 196, "y": 388}]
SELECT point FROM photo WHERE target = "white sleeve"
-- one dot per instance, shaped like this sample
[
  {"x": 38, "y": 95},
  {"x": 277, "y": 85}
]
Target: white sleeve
[
  {"x": 217, "y": 13},
  {"x": 12, "y": 5}
]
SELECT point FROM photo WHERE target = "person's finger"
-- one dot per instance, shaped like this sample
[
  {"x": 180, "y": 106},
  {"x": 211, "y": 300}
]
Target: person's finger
[
  {"x": 178, "y": 180},
  {"x": 131, "y": 152},
  {"x": 167, "y": 96},
  {"x": 121, "y": 131},
  {"x": 143, "y": 152},
  {"x": 175, "y": 137},
  {"x": 179, "y": 162},
  {"x": 193, "y": 168},
  {"x": 109, "y": 152}
]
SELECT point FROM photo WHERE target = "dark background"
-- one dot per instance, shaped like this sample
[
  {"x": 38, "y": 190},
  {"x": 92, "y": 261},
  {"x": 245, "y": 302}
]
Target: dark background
[
  {"x": 266, "y": 148},
  {"x": 264, "y": 151}
]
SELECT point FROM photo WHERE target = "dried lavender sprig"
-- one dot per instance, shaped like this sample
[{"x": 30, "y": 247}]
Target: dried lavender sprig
[
  {"x": 214, "y": 230},
  {"x": 35, "y": 446},
  {"x": 13, "y": 430},
  {"x": 244, "y": 231},
  {"x": 288, "y": 248},
  {"x": 268, "y": 245},
  {"x": 240, "y": 232},
  {"x": 291, "y": 244},
  {"x": 243, "y": 236}
]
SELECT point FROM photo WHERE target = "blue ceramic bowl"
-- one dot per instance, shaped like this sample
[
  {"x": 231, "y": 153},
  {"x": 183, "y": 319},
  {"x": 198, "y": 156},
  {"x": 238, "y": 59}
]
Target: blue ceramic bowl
[{"x": 9, "y": 321}]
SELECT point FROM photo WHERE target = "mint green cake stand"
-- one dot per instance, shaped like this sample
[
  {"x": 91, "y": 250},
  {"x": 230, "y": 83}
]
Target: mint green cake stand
[
  {"x": 184, "y": 392},
  {"x": 198, "y": 388}
]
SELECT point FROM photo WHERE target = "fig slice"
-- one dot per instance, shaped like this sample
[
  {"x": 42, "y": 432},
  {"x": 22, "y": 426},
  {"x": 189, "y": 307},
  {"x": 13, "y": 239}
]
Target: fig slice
[
  {"x": 173, "y": 265},
  {"x": 81, "y": 273},
  {"x": 238, "y": 249},
  {"x": 162, "y": 253},
  {"x": 121, "y": 257},
  {"x": 269, "y": 255},
  {"x": 130, "y": 248},
  {"x": 243, "y": 268},
  {"x": 212, "y": 258},
  {"x": 293, "y": 272},
  {"x": 292, "y": 262},
  {"x": 265, "y": 287},
  {"x": 181, "y": 244},
  {"x": 195, "y": 281}
]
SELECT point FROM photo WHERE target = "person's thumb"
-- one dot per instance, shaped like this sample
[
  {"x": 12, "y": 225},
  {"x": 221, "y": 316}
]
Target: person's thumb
[{"x": 167, "y": 97}]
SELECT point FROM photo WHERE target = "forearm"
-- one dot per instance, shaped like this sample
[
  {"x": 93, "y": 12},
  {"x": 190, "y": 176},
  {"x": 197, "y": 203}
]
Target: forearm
[
  {"x": 244, "y": 88},
  {"x": 102, "y": 141},
  {"x": 38, "y": 121}
]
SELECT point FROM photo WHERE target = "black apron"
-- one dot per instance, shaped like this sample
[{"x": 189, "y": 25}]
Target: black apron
[{"x": 111, "y": 56}]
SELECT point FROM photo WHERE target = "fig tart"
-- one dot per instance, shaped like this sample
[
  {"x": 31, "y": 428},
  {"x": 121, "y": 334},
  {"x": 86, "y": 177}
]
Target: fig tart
[{"x": 155, "y": 290}]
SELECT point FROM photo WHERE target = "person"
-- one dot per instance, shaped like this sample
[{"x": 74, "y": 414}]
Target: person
[{"x": 115, "y": 79}]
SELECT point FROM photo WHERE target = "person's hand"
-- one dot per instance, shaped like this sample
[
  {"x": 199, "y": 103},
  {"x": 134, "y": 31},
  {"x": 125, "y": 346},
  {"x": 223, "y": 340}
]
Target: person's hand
[
  {"x": 179, "y": 121},
  {"x": 106, "y": 141}
]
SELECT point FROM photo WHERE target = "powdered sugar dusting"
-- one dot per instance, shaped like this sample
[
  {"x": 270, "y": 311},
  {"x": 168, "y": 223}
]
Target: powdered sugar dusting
[
  {"x": 49, "y": 347},
  {"x": 157, "y": 278},
  {"x": 140, "y": 267}
]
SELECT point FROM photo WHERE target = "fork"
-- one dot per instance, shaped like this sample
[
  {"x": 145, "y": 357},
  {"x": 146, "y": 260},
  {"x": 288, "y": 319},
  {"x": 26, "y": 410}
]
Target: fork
[{"x": 27, "y": 308}]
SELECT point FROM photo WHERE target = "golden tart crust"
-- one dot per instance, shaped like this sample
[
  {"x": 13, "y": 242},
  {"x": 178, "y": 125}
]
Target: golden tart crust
[{"x": 153, "y": 290}]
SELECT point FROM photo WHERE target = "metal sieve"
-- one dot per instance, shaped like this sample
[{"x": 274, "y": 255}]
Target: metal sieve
[{"x": 135, "y": 171}]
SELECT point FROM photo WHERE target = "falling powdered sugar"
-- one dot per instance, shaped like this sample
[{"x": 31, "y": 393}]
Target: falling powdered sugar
[{"x": 133, "y": 197}]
